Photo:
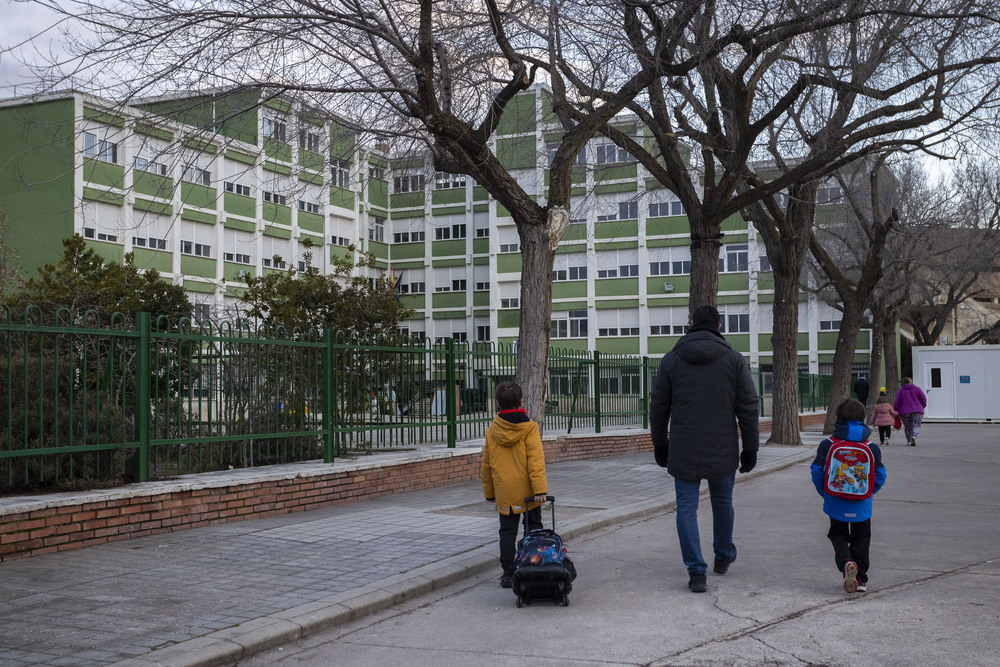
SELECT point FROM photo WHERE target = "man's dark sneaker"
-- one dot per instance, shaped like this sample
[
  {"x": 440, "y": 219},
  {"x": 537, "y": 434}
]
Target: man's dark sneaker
[
  {"x": 698, "y": 583},
  {"x": 850, "y": 577},
  {"x": 722, "y": 566},
  {"x": 505, "y": 581}
]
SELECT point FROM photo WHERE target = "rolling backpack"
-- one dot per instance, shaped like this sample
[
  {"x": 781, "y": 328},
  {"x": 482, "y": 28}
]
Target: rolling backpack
[{"x": 848, "y": 470}]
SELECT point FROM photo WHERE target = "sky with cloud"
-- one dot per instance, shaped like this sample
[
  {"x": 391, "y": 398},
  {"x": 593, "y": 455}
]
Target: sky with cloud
[{"x": 26, "y": 34}]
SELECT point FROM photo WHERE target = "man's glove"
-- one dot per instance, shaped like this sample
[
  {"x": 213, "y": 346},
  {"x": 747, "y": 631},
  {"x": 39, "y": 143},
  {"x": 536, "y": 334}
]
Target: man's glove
[
  {"x": 748, "y": 461},
  {"x": 660, "y": 454}
]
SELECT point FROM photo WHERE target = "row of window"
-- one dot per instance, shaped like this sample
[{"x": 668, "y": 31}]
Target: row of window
[{"x": 575, "y": 325}]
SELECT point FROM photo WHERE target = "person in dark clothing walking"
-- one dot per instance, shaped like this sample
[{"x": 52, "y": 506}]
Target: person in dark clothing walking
[
  {"x": 702, "y": 391},
  {"x": 861, "y": 389}
]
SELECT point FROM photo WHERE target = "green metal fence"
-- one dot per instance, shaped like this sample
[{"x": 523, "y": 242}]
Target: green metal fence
[{"x": 92, "y": 402}]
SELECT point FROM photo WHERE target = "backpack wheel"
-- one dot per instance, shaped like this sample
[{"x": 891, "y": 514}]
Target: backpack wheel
[{"x": 520, "y": 602}]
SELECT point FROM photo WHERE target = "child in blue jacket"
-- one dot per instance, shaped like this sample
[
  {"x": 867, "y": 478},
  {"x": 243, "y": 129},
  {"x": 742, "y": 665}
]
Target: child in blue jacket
[{"x": 850, "y": 520}]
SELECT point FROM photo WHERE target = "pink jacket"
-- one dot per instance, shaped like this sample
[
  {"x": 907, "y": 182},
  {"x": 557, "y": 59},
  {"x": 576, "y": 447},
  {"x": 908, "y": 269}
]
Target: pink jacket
[{"x": 883, "y": 415}]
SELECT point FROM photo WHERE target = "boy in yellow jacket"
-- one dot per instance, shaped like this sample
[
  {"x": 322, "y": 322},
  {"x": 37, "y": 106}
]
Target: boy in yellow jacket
[{"x": 513, "y": 469}]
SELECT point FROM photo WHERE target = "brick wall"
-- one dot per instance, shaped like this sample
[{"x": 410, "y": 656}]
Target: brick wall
[{"x": 69, "y": 525}]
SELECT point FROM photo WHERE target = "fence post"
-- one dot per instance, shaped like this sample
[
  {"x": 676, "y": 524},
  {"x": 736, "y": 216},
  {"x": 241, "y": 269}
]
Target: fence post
[
  {"x": 329, "y": 394},
  {"x": 450, "y": 395},
  {"x": 597, "y": 391},
  {"x": 142, "y": 395},
  {"x": 645, "y": 392}
]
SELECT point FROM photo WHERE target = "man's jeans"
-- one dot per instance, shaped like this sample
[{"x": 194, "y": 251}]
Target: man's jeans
[{"x": 721, "y": 490}]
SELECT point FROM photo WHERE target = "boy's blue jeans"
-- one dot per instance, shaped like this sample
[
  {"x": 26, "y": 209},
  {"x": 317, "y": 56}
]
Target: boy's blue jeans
[{"x": 721, "y": 490}]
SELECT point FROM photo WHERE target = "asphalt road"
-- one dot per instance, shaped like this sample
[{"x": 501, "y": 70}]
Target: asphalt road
[{"x": 934, "y": 594}]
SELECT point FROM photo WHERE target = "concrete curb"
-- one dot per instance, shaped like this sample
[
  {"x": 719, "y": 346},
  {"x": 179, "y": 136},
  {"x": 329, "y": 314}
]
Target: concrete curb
[{"x": 228, "y": 646}]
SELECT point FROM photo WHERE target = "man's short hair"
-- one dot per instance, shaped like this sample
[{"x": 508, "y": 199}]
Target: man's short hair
[
  {"x": 508, "y": 396},
  {"x": 706, "y": 316},
  {"x": 852, "y": 410}
]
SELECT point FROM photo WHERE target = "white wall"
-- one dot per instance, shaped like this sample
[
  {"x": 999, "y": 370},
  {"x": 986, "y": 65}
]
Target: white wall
[{"x": 962, "y": 382}]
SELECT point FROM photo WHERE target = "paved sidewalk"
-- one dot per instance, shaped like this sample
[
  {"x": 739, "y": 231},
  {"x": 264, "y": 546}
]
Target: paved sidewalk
[{"x": 213, "y": 595}]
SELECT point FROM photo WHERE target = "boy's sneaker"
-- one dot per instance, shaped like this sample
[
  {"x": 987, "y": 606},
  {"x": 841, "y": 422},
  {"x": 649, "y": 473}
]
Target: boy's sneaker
[
  {"x": 850, "y": 577},
  {"x": 505, "y": 581},
  {"x": 698, "y": 583},
  {"x": 862, "y": 586}
]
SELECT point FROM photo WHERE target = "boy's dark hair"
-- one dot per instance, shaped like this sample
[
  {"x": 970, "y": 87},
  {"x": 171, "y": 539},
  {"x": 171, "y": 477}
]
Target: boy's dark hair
[
  {"x": 706, "y": 316},
  {"x": 852, "y": 410},
  {"x": 508, "y": 395}
]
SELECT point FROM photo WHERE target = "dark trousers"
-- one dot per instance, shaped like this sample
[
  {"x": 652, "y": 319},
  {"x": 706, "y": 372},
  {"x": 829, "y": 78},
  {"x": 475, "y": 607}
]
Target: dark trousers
[
  {"x": 883, "y": 434},
  {"x": 851, "y": 542},
  {"x": 508, "y": 534}
]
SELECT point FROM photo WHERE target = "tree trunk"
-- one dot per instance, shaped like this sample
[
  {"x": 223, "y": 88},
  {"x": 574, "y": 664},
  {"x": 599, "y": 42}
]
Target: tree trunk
[
  {"x": 536, "y": 317},
  {"x": 891, "y": 363},
  {"x": 784, "y": 342},
  {"x": 704, "y": 266},
  {"x": 843, "y": 360},
  {"x": 875, "y": 368}
]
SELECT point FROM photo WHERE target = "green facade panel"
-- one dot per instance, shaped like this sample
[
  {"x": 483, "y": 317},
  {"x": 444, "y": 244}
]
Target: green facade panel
[
  {"x": 310, "y": 177},
  {"x": 197, "y": 266},
  {"x": 277, "y": 232},
  {"x": 378, "y": 192},
  {"x": 617, "y": 245},
  {"x": 239, "y": 205},
  {"x": 276, "y": 213},
  {"x": 103, "y": 173},
  {"x": 103, "y": 117},
  {"x": 509, "y": 318},
  {"x": 449, "y": 196},
  {"x": 342, "y": 198},
  {"x": 201, "y": 196},
  {"x": 734, "y": 282},
  {"x": 311, "y": 221},
  {"x": 153, "y": 185},
  {"x": 447, "y": 248},
  {"x": 734, "y": 223},
  {"x": 109, "y": 252},
  {"x": 655, "y": 286},
  {"x": 157, "y": 207},
  {"x": 236, "y": 272},
  {"x": 519, "y": 115},
  {"x": 278, "y": 150},
  {"x": 238, "y": 156},
  {"x": 310, "y": 160},
  {"x": 517, "y": 152},
  {"x": 575, "y": 233},
  {"x": 245, "y": 225},
  {"x": 380, "y": 250},
  {"x": 568, "y": 248},
  {"x": 198, "y": 286},
  {"x": 562, "y": 306},
  {"x": 569, "y": 290},
  {"x": 616, "y": 229},
  {"x": 616, "y": 287},
  {"x": 414, "y": 301},
  {"x": 441, "y": 263},
  {"x": 407, "y": 200},
  {"x": 448, "y": 315},
  {"x": 93, "y": 194},
  {"x": 152, "y": 131},
  {"x": 198, "y": 216},
  {"x": 153, "y": 259},
  {"x": 569, "y": 344},
  {"x": 610, "y": 304},
  {"x": 406, "y": 251},
  {"x": 660, "y": 345},
  {"x": 481, "y": 246},
  {"x": 618, "y": 345},
  {"x": 480, "y": 298},
  {"x": 614, "y": 172},
  {"x": 401, "y": 266},
  {"x": 509, "y": 263},
  {"x": 448, "y": 300},
  {"x": 667, "y": 226}
]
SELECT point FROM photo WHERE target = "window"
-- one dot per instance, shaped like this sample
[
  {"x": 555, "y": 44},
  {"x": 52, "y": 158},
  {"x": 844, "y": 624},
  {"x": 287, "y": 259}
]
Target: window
[
  {"x": 628, "y": 270},
  {"x": 735, "y": 258},
  {"x": 408, "y": 183},
  {"x": 442, "y": 233},
  {"x": 510, "y": 247},
  {"x": 376, "y": 230},
  {"x": 274, "y": 262},
  {"x": 737, "y": 323},
  {"x": 460, "y": 336},
  {"x": 458, "y": 285},
  {"x": 98, "y": 149},
  {"x": 275, "y": 198},
  {"x": 831, "y": 194},
  {"x": 111, "y": 238},
  {"x": 829, "y": 325},
  {"x": 142, "y": 164},
  {"x": 408, "y": 237},
  {"x": 418, "y": 287},
  {"x": 238, "y": 189},
  {"x": 572, "y": 325},
  {"x": 308, "y": 206},
  {"x": 483, "y": 287},
  {"x": 482, "y": 232},
  {"x": 628, "y": 210},
  {"x": 195, "y": 174},
  {"x": 665, "y": 209},
  {"x": 514, "y": 302},
  {"x": 198, "y": 249},
  {"x": 482, "y": 334},
  {"x": 149, "y": 242},
  {"x": 572, "y": 273},
  {"x": 672, "y": 261},
  {"x": 309, "y": 141},
  {"x": 611, "y": 154},
  {"x": 580, "y": 159},
  {"x": 201, "y": 313},
  {"x": 274, "y": 129},
  {"x": 765, "y": 263},
  {"x": 375, "y": 171},
  {"x": 89, "y": 233},
  {"x": 340, "y": 171},
  {"x": 446, "y": 181},
  {"x": 305, "y": 268},
  {"x": 340, "y": 240},
  {"x": 239, "y": 258}
]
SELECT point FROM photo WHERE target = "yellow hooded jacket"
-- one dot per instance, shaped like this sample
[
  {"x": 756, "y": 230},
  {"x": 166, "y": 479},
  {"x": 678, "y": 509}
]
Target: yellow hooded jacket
[{"x": 513, "y": 465}]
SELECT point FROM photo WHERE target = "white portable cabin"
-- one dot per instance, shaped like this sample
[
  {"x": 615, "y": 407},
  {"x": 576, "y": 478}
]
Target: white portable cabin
[{"x": 962, "y": 382}]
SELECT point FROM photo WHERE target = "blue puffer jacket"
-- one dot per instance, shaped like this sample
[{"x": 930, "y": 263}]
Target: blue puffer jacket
[{"x": 850, "y": 511}]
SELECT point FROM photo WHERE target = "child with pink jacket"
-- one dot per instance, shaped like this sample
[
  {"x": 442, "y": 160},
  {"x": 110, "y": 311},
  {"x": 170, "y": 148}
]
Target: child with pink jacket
[{"x": 883, "y": 416}]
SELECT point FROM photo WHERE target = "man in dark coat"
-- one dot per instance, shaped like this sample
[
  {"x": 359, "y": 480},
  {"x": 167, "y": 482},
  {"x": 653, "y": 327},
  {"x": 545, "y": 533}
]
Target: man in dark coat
[
  {"x": 861, "y": 390},
  {"x": 703, "y": 389}
]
